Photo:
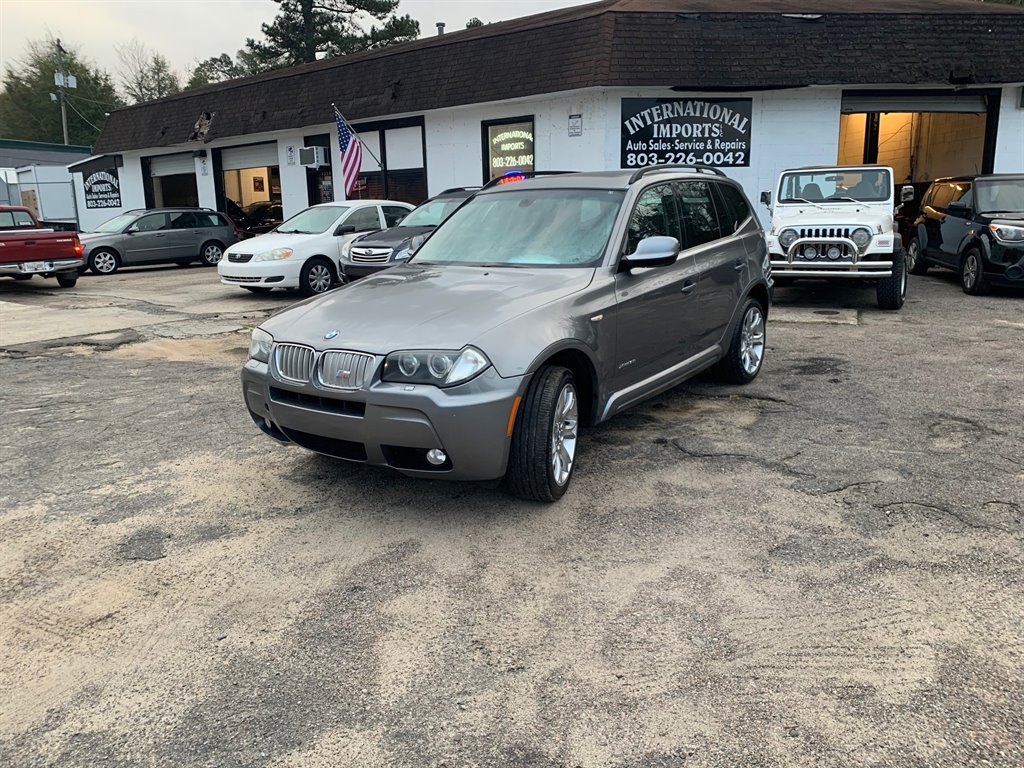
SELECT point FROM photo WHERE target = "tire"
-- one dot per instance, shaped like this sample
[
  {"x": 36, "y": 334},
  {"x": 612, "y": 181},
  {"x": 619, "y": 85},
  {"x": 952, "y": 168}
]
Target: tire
[
  {"x": 745, "y": 357},
  {"x": 548, "y": 420},
  {"x": 972, "y": 273},
  {"x": 892, "y": 291},
  {"x": 257, "y": 289},
  {"x": 316, "y": 277},
  {"x": 104, "y": 261},
  {"x": 916, "y": 262},
  {"x": 211, "y": 253},
  {"x": 67, "y": 281}
]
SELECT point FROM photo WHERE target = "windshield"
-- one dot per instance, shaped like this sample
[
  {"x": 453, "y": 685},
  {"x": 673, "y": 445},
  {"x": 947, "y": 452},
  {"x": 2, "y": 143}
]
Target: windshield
[
  {"x": 432, "y": 213},
  {"x": 530, "y": 227},
  {"x": 835, "y": 185},
  {"x": 313, "y": 221},
  {"x": 117, "y": 223},
  {"x": 1003, "y": 196}
]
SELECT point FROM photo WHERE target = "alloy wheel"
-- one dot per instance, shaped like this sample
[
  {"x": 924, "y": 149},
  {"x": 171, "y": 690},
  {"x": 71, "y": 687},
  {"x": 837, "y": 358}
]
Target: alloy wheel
[
  {"x": 752, "y": 341},
  {"x": 212, "y": 254},
  {"x": 971, "y": 268},
  {"x": 912, "y": 255},
  {"x": 104, "y": 262},
  {"x": 564, "y": 432}
]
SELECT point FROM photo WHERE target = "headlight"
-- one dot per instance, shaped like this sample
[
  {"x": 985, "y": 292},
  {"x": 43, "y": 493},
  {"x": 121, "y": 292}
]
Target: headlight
[
  {"x": 442, "y": 368},
  {"x": 861, "y": 237},
  {"x": 787, "y": 237},
  {"x": 346, "y": 249},
  {"x": 277, "y": 253},
  {"x": 1006, "y": 233},
  {"x": 402, "y": 255},
  {"x": 259, "y": 347}
]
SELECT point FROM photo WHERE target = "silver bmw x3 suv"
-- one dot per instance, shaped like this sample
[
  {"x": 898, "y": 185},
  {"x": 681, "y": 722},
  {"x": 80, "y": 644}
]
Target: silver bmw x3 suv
[{"x": 537, "y": 308}]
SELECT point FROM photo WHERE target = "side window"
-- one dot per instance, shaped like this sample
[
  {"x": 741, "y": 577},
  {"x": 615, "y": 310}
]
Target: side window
[
  {"x": 732, "y": 207},
  {"x": 364, "y": 219},
  {"x": 23, "y": 219},
  {"x": 697, "y": 211},
  {"x": 655, "y": 214},
  {"x": 152, "y": 223},
  {"x": 183, "y": 221},
  {"x": 941, "y": 196},
  {"x": 393, "y": 215},
  {"x": 962, "y": 193}
]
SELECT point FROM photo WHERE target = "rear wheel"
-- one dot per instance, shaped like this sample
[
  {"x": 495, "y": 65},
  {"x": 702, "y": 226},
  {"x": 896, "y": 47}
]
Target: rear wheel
[
  {"x": 916, "y": 264},
  {"x": 542, "y": 456},
  {"x": 972, "y": 273},
  {"x": 211, "y": 253},
  {"x": 67, "y": 281},
  {"x": 743, "y": 361},
  {"x": 316, "y": 276},
  {"x": 104, "y": 262},
  {"x": 892, "y": 291}
]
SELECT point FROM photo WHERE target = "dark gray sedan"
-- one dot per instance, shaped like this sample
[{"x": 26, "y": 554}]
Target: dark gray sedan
[{"x": 537, "y": 308}]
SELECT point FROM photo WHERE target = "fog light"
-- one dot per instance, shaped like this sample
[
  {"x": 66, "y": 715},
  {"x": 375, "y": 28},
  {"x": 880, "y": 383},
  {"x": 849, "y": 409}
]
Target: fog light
[
  {"x": 834, "y": 252},
  {"x": 810, "y": 252},
  {"x": 437, "y": 457}
]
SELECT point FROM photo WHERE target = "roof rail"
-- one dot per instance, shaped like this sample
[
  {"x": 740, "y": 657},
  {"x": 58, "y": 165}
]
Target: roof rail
[
  {"x": 641, "y": 172},
  {"x": 525, "y": 174},
  {"x": 458, "y": 189}
]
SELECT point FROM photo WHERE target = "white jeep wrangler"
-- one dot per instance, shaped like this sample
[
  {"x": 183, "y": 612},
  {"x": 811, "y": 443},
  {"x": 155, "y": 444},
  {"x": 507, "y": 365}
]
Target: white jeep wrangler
[{"x": 837, "y": 222}]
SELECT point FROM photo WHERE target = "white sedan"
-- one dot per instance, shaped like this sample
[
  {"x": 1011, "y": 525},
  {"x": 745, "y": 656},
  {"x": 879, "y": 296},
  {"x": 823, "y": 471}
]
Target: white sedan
[{"x": 303, "y": 251}]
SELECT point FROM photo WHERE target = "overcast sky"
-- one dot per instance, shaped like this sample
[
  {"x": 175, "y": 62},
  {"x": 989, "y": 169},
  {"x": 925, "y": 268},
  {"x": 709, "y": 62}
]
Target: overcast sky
[{"x": 189, "y": 30}]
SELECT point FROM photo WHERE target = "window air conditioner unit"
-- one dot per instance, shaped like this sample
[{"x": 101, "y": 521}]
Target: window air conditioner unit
[{"x": 313, "y": 156}]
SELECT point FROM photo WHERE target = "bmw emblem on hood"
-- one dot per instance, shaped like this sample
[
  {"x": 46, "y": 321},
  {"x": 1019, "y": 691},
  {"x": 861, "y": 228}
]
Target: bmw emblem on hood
[{"x": 331, "y": 333}]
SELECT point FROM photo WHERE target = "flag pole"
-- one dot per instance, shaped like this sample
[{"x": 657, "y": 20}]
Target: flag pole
[{"x": 354, "y": 132}]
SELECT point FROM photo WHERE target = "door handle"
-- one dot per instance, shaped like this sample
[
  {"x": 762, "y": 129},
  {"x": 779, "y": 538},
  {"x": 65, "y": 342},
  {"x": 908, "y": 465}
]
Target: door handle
[
  {"x": 688, "y": 287},
  {"x": 739, "y": 264},
  {"x": 159, "y": 234}
]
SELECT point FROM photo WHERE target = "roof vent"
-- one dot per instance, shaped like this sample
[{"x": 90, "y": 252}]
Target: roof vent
[{"x": 440, "y": 27}]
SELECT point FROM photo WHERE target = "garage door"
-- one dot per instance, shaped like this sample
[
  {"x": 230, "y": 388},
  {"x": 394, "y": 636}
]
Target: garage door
[
  {"x": 171, "y": 165},
  {"x": 853, "y": 103},
  {"x": 249, "y": 156}
]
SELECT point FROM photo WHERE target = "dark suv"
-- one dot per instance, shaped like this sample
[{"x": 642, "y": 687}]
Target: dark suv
[
  {"x": 380, "y": 250},
  {"x": 538, "y": 307},
  {"x": 975, "y": 226}
]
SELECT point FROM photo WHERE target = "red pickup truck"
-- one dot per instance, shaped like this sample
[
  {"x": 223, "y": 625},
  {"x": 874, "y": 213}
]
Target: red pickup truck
[{"x": 26, "y": 249}]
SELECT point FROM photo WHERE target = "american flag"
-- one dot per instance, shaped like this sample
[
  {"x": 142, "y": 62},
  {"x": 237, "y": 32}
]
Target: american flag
[{"x": 351, "y": 153}]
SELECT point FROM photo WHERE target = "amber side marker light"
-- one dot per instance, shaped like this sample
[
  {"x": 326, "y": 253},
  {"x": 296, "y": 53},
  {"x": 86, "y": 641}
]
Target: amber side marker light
[{"x": 512, "y": 416}]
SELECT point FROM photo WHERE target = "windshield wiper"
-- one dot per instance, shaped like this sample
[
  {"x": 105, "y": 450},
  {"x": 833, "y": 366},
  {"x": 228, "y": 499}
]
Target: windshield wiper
[
  {"x": 844, "y": 197},
  {"x": 801, "y": 200}
]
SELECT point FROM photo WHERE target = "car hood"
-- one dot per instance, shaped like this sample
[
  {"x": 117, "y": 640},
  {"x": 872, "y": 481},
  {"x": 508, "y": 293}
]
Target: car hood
[
  {"x": 1014, "y": 216},
  {"x": 423, "y": 307},
  {"x": 86, "y": 237},
  {"x": 390, "y": 238},
  {"x": 269, "y": 242}
]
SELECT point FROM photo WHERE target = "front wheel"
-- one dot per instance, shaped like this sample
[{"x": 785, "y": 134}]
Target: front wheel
[
  {"x": 316, "y": 277},
  {"x": 916, "y": 264},
  {"x": 892, "y": 291},
  {"x": 743, "y": 361},
  {"x": 211, "y": 254},
  {"x": 67, "y": 281},
  {"x": 972, "y": 273},
  {"x": 542, "y": 456}
]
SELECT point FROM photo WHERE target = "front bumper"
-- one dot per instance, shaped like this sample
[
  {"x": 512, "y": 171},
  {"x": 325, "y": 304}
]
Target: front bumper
[
  {"x": 850, "y": 263},
  {"x": 392, "y": 425},
  {"x": 283, "y": 273},
  {"x": 1005, "y": 265},
  {"x": 353, "y": 271},
  {"x": 47, "y": 267}
]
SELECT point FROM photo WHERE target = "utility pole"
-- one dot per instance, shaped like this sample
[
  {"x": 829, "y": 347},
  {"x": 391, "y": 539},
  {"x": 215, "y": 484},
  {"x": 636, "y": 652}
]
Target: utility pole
[{"x": 61, "y": 79}]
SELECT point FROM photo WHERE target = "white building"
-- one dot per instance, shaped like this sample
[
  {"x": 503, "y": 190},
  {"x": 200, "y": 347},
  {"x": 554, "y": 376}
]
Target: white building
[{"x": 931, "y": 87}]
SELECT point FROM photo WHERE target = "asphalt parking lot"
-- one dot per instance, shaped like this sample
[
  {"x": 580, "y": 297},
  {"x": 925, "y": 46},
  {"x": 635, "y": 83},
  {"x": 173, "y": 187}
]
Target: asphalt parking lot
[{"x": 823, "y": 568}]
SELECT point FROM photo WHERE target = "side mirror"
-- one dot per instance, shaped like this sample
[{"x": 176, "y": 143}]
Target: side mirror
[
  {"x": 766, "y": 199},
  {"x": 906, "y": 194},
  {"x": 657, "y": 251},
  {"x": 957, "y": 205},
  {"x": 131, "y": 230},
  {"x": 344, "y": 229}
]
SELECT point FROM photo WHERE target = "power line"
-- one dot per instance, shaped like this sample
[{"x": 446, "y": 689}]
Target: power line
[{"x": 73, "y": 107}]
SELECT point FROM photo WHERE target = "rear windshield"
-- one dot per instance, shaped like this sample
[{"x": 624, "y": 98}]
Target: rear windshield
[
  {"x": 1002, "y": 196},
  {"x": 527, "y": 228},
  {"x": 835, "y": 186},
  {"x": 313, "y": 221},
  {"x": 15, "y": 220}
]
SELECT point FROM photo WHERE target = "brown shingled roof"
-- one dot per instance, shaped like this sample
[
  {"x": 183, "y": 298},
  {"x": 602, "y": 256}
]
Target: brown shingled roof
[{"x": 693, "y": 44}]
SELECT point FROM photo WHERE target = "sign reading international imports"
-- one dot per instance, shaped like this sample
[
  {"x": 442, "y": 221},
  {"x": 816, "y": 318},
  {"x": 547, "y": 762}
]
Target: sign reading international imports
[
  {"x": 689, "y": 131},
  {"x": 102, "y": 189},
  {"x": 509, "y": 148}
]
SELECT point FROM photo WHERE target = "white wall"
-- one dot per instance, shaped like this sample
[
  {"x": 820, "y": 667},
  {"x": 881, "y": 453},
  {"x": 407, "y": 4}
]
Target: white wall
[
  {"x": 294, "y": 194},
  {"x": 205, "y": 183},
  {"x": 1010, "y": 136}
]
